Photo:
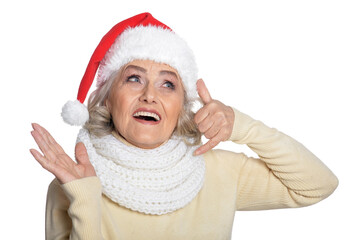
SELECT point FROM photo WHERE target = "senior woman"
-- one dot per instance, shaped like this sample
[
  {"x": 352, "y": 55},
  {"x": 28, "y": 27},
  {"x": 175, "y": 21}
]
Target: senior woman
[{"x": 141, "y": 171}]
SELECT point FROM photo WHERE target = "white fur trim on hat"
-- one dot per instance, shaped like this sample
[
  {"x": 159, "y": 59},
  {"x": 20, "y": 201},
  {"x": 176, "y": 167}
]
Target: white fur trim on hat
[
  {"x": 151, "y": 43},
  {"x": 75, "y": 113}
]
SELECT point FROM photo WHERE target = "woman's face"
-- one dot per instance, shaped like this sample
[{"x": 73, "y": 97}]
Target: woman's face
[{"x": 145, "y": 102}]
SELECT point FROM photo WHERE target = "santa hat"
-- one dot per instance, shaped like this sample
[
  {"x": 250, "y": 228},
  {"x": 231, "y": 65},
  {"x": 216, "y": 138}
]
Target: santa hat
[{"x": 141, "y": 37}]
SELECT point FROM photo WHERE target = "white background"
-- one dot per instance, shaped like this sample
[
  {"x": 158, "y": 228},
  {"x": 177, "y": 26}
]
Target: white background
[{"x": 292, "y": 64}]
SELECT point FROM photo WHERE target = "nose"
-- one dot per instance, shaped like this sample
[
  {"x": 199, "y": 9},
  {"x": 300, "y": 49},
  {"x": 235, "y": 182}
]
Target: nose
[{"x": 149, "y": 94}]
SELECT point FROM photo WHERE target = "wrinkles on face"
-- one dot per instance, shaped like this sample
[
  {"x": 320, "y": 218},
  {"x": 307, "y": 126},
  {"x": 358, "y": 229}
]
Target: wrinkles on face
[{"x": 148, "y": 88}]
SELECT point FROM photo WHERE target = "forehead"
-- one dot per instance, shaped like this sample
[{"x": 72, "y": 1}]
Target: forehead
[{"x": 149, "y": 65}]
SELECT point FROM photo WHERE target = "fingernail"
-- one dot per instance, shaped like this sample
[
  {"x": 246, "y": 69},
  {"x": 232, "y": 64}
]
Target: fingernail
[
  {"x": 37, "y": 127},
  {"x": 32, "y": 152}
]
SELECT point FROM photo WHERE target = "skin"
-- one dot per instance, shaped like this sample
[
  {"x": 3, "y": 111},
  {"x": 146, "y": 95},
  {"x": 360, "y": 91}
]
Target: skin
[
  {"x": 152, "y": 91},
  {"x": 149, "y": 86},
  {"x": 215, "y": 120}
]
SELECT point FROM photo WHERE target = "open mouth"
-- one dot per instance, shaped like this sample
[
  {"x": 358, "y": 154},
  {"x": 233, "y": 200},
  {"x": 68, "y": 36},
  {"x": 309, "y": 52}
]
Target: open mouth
[{"x": 147, "y": 116}]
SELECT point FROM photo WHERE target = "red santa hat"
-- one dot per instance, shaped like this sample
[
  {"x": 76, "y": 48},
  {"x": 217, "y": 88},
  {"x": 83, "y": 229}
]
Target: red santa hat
[{"x": 141, "y": 37}]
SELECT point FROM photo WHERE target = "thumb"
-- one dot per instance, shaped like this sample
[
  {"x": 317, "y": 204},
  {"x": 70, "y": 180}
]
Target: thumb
[
  {"x": 81, "y": 154},
  {"x": 203, "y": 91}
]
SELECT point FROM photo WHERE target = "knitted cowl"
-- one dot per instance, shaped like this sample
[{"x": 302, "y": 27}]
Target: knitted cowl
[{"x": 151, "y": 181}]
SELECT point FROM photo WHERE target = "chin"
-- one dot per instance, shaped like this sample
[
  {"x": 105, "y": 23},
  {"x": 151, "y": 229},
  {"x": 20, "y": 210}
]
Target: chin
[
  {"x": 146, "y": 136},
  {"x": 148, "y": 141},
  {"x": 147, "y": 144}
]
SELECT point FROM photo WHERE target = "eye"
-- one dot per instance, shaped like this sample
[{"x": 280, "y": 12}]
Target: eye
[
  {"x": 169, "y": 84},
  {"x": 133, "y": 78}
]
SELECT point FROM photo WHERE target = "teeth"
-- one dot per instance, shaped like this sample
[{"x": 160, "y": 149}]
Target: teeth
[{"x": 147, "y": 114}]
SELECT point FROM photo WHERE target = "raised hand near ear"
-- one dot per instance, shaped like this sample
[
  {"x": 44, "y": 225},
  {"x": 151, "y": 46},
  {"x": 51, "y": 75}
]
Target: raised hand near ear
[
  {"x": 56, "y": 161},
  {"x": 215, "y": 120}
]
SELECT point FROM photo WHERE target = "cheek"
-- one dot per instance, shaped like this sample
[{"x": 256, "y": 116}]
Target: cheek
[
  {"x": 120, "y": 104},
  {"x": 174, "y": 108}
]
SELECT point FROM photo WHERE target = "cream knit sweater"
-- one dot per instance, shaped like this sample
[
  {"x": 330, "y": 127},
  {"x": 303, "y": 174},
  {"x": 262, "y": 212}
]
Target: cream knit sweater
[{"x": 285, "y": 175}]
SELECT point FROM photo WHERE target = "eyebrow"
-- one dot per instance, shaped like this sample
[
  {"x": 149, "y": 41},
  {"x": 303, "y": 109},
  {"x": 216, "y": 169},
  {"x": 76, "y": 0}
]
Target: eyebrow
[
  {"x": 137, "y": 68},
  {"x": 168, "y": 72},
  {"x": 163, "y": 72}
]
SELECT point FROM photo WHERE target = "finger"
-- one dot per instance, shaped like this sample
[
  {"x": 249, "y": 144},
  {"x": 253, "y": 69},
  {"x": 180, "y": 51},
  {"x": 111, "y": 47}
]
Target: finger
[
  {"x": 49, "y": 141},
  {"x": 211, "y": 126},
  {"x": 40, "y": 158},
  {"x": 205, "y": 125},
  {"x": 213, "y": 131},
  {"x": 201, "y": 115},
  {"x": 203, "y": 91},
  {"x": 48, "y": 138},
  {"x": 43, "y": 145},
  {"x": 207, "y": 146},
  {"x": 81, "y": 153},
  {"x": 41, "y": 130}
]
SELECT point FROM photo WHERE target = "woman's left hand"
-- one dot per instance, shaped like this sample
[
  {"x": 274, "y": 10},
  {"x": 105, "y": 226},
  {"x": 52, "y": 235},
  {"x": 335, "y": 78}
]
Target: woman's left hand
[{"x": 215, "y": 120}]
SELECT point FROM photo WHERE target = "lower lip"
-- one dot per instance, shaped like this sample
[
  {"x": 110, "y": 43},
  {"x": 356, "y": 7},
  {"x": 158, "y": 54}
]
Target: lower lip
[{"x": 146, "y": 122}]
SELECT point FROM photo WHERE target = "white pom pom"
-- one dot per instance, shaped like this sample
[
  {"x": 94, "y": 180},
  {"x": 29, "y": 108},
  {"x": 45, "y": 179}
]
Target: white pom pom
[{"x": 75, "y": 113}]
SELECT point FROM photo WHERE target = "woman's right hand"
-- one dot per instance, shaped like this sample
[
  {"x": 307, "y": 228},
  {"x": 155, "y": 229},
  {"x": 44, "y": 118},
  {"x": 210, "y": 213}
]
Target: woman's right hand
[{"x": 56, "y": 161}]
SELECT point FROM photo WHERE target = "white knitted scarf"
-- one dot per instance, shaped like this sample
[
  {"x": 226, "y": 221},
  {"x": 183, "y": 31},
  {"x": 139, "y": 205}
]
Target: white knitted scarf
[{"x": 152, "y": 181}]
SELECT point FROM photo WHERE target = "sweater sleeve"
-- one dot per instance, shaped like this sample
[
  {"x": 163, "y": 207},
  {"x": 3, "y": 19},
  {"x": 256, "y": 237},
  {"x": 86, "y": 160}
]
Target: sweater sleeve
[
  {"x": 286, "y": 174},
  {"x": 73, "y": 210}
]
